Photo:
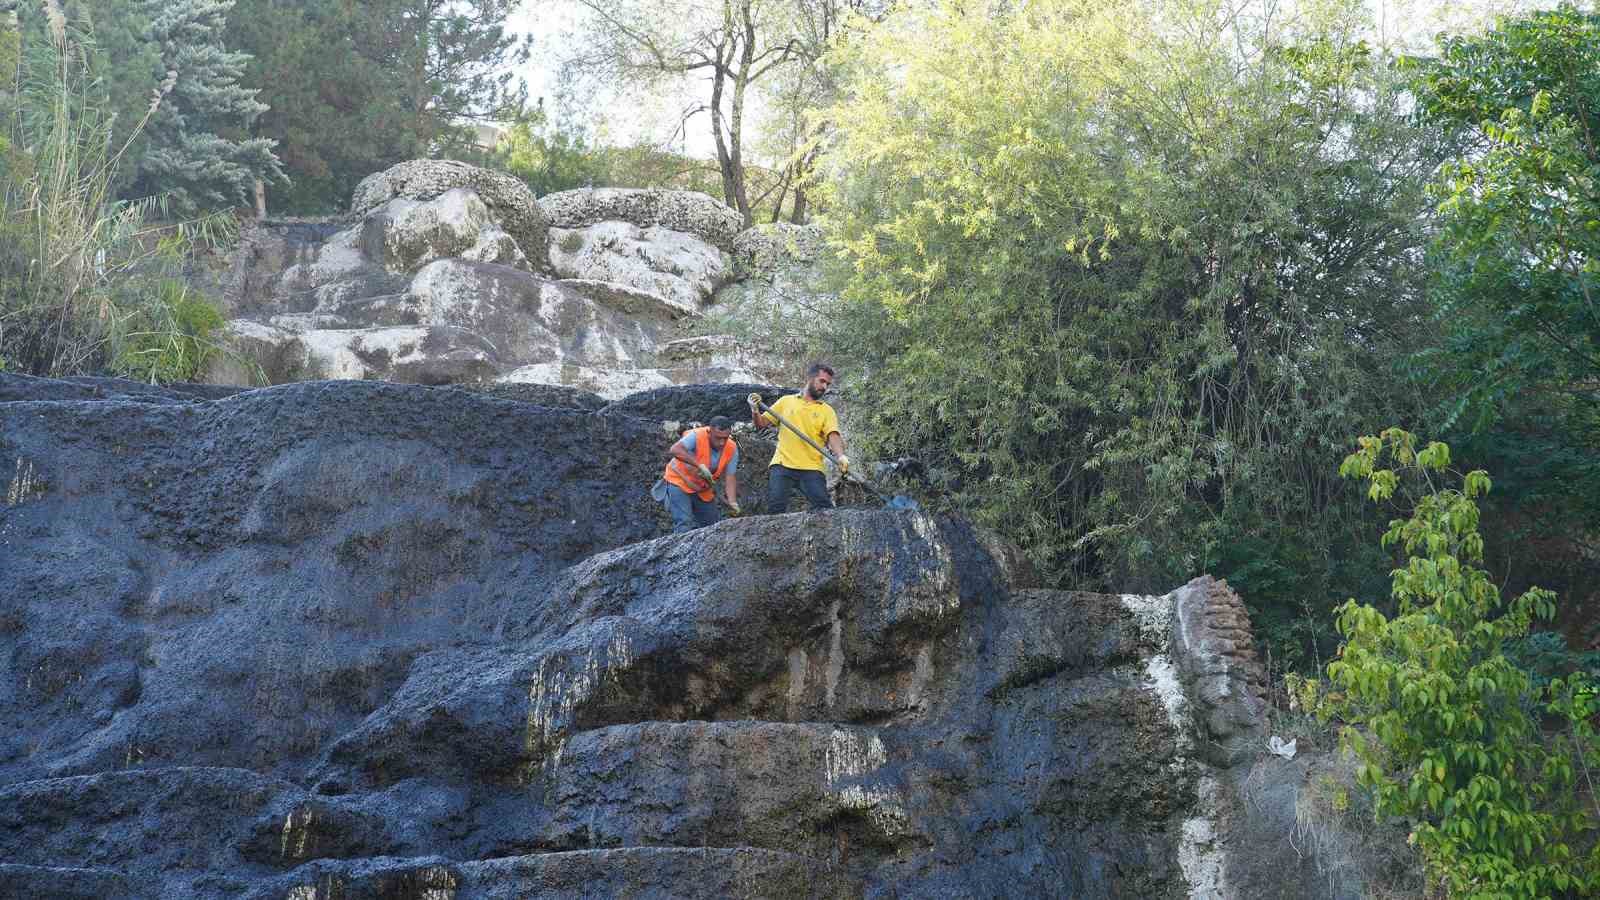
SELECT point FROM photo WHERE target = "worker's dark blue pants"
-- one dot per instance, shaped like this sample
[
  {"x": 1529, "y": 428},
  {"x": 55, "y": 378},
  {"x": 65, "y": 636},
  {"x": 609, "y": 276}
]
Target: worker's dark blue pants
[
  {"x": 690, "y": 512},
  {"x": 782, "y": 479}
]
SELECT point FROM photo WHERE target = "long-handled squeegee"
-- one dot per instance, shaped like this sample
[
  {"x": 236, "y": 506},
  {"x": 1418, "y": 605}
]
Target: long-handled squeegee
[{"x": 898, "y": 501}]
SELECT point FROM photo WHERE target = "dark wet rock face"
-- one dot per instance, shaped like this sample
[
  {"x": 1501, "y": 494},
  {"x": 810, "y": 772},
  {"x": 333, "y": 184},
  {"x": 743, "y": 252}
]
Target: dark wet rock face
[{"x": 366, "y": 640}]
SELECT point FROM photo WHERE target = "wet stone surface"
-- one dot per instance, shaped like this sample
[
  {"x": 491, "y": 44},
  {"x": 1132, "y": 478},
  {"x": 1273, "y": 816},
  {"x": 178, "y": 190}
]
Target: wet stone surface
[{"x": 351, "y": 639}]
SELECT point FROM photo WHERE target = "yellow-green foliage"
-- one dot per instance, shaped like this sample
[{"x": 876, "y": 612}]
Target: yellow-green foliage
[
  {"x": 1120, "y": 267},
  {"x": 1450, "y": 732},
  {"x": 79, "y": 270},
  {"x": 170, "y": 338}
]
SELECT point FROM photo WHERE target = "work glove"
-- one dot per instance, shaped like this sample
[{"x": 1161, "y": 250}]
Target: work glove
[
  {"x": 705, "y": 472},
  {"x": 734, "y": 510},
  {"x": 844, "y": 464},
  {"x": 754, "y": 400}
]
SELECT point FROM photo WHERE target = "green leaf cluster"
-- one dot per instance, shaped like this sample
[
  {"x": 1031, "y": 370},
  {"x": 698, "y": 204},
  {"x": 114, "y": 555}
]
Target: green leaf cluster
[
  {"x": 79, "y": 269},
  {"x": 1450, "y": 733},
  {"x": 169, "y": 338},
  {"x": 550, "y": 158},
  {"x": 1518, "y": 253},
  {"x": 1515, "y": 262},
  {"x": 1123, "y": 270}
]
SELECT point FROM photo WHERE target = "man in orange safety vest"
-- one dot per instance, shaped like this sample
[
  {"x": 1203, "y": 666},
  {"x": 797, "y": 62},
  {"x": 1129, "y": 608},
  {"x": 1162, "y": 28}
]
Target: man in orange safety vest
[{"x": 701, "y": 458}]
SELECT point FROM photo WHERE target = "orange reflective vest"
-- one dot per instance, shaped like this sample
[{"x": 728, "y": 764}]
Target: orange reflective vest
[{"x": 686, "y": 478}]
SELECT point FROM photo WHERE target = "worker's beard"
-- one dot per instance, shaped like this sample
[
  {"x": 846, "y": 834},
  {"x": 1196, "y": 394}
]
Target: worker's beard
[{"x": 814, "y": 393}]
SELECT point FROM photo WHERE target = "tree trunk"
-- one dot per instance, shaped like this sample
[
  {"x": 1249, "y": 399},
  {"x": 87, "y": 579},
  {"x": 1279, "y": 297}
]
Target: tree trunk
[
  {"x": 724, "y": 160},
  {"x": 736, "y": 132}
]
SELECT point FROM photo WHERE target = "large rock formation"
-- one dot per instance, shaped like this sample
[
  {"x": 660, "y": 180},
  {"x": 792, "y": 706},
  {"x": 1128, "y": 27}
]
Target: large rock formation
[
  {"x": 369, "y": 640},
  {"x": 444, "y": 273}
]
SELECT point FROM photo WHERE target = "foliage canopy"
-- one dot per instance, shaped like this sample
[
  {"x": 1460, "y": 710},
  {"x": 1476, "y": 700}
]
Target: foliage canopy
[
  {"x": 1450, "y": 731},
  {"x": 1127, "y": 268}
]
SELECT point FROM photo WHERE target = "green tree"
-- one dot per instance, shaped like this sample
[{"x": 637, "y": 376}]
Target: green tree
[
  {"x": 355, "y": 87},
  {"x": 1518, "y": 254},
  {"x": 549, "y": 158},
  {"x": 1447, "y": 729},
  {"x": 1514, "y": 275},
  {"x": 333, "y": 107},
  {"x": 1124, "y": 282},
  {"x": 81, "y": 273},
  {"x": 199, "y": 154},
  {"x": 457, "y": 63},
  {"x": 727, "y": 50}
]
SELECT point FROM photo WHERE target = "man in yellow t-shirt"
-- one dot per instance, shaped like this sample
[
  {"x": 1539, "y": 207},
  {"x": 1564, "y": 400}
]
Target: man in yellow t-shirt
[{"x": 796, "y": 464}]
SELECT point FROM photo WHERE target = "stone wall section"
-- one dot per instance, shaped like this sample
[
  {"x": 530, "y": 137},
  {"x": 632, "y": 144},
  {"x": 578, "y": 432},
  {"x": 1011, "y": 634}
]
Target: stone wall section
[{"x": 593, "y": 289}]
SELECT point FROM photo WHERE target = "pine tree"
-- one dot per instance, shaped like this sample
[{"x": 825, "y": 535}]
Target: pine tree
[
  {"x": 337, "y": 112},
  {"x": 200, "y": 154},
  {"x": 356, "y": 87}
]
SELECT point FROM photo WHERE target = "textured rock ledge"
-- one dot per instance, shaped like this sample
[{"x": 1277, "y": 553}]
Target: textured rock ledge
[{"x": 366, "y": 640}]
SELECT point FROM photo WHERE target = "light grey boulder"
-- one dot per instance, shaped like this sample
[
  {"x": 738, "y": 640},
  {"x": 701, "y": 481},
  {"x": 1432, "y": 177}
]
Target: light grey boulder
[
  {"x": 510, "y": 201},
  {"x": 411, "y": 354},
  {"x": 757, "y": 251},
  {"x": 677, "y": 266},
  {"x": 607, "y": 383},
  {"x": 690, "y": 212},
  {"x": 405, "y": 235},
  {"x": 532, "y": 320},
  {"x": 266, "y": 249},
  {"x": 627, "y": 299}
]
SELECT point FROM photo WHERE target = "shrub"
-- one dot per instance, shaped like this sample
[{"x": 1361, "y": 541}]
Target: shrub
[
  {"x": 1449, "y": 731},
  {"x": 169, "y": 338},
  {"x": 80, "y": 272}
]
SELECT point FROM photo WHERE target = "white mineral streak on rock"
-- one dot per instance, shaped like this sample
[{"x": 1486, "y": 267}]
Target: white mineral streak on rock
[
  {"x": 881, "y": 806},
  {"x": 940, "y": 581},
  {"x": 297, "y": 833},
  {"x": 24, "y": 484},
  {"x": 302, "y": 892},
  {"x": 835, "y": 650},
  {"x": 1199, "y": 852},
  {"x": 799, "y": 664},
  {"x": 921, "y": 676},
  {"x": 1153, "y": 615},
  {"x": 850, "y": 757},
  {"x": 439, "y": 883},
  {"x": 554, "y": 695}
]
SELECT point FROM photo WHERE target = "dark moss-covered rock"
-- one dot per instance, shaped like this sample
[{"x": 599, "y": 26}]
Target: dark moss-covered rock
[
  {"x": 697, "y": 402},
  {"x": 556, "y": 395},
  {"x": 353, "y": 639},
  {"x": 14, "y": 388}
]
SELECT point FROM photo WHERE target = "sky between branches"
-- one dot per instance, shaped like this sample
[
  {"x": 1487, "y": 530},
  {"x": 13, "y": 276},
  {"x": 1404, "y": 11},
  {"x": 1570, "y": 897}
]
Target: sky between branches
[{"x": 1404, "y": 24}]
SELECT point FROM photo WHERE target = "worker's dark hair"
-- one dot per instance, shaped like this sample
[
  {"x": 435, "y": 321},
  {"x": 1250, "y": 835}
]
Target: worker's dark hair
[
  {"x": 814, "y": 368},
  {"x": 721, "y": 423}
]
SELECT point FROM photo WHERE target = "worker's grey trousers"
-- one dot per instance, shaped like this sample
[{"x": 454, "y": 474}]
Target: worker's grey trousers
[{"x": 690, "y": 512}]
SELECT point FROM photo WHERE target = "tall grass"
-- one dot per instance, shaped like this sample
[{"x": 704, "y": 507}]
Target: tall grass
[{"x": 88, "y": 283}]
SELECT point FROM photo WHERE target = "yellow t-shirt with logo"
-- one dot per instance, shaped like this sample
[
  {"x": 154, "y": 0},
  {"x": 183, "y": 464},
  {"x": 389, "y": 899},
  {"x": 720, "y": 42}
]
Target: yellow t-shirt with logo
[{"x": 814, "y": 418}]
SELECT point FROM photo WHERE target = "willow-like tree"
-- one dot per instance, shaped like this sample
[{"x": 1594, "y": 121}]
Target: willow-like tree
[
  {"x": 734, "y": 45},
  {"x": 1126, "y": 270}
]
